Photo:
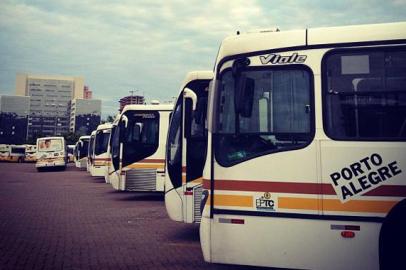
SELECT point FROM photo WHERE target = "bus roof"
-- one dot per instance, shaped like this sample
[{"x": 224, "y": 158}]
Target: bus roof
[
  {"x": 104, "y": 126},
  {"x": 197, "y": 75},
  {"x": 268, "y": 40},
  {"x": 50, "y": 138},
  {"x": 148, "y": 107}
]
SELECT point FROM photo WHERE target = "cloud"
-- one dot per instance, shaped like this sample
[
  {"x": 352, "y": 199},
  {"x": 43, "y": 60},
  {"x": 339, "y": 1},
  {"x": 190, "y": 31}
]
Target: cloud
[{"x": 149, "y": 46}]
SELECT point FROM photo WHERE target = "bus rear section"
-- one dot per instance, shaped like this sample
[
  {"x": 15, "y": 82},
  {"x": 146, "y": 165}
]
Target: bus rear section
[
  {"x": 138, "y": 148},
  {"x": 186, "y": 149},
  {"x": 306, "y": 154},
  {"x": 51, "y": 153},
  {"x": 101, "y": 157},
  {"x": 81, "y": 150}
]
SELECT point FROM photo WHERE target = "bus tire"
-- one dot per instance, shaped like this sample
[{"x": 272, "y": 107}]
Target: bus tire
[{"x": 392, "y": 239}]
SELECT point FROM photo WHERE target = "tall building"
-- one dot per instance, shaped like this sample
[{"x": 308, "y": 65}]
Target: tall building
[
  {"x": 50, "y": 96},
  {"x": 131, "y": 100},
  {"x": 13, "y": 119},
  {"x": 87, "y": 93},
  {"x": 85, "y": 115}
]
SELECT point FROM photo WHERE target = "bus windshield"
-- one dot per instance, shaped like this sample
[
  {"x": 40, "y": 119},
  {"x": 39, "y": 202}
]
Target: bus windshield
[
  {"x": 141, "y": 137},
  {"x": 277, "y": 113},
  {"x": 102, "y": 141},
  {"x": 50, "y": 145}
]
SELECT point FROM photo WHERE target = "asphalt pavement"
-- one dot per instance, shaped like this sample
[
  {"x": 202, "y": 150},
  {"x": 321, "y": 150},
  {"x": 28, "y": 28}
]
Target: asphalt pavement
[{"x": 70, "y": 220}]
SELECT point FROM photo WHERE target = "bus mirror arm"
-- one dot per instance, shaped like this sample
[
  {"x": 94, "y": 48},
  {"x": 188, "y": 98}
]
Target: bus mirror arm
[
  {"x": 124, "y": 119},
  {"x": 188, "y": 93},
  {"x": 244, "y": 95}
]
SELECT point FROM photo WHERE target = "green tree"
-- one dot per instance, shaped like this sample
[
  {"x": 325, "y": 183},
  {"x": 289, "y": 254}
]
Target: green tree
[
  {"x": 71, "y": 138},
  {"x": 109, "y": 119}
]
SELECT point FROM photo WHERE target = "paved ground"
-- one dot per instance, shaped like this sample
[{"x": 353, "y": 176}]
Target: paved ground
[{"x": 69, "y": 220}]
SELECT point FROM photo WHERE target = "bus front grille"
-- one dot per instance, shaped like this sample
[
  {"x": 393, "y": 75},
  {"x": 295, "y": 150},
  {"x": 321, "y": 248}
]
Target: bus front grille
[
  {"x": 140, "y": 180},
  {"x": 83, "y": 163},
  {"x": 197, "y": 198}
]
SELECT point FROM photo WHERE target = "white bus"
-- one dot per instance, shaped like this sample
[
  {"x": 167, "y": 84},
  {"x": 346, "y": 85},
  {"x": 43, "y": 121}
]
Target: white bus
[
  {"x": 306, "y": 157},
  {"x": 186, "y": 149},
  {"x": 109, "y": 170},
  {"x": 101, "y": 159},
  {"x": 30, "y": 153},
  {"x": 12, "y": 153},
  {"x": 138, "y": 148},
  {"x": 90, "y": 151},
  {"x": 81, "y": 149},
  {"x": 51, "y": 152}
]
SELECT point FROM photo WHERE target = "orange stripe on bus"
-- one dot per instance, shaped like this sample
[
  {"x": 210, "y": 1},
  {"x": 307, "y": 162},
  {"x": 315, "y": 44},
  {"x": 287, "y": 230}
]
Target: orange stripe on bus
[
  {"x": 146, "y": 166},
  {"x": 232, "y": 200},
  {"x": 335, "y": 205}
]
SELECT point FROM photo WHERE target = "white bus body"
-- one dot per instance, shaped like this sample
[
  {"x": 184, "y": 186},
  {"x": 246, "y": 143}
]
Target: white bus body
[
  {"x": 101, "y": 157},
  {"x": 30, "y": 153},
  {"x": 71, "y": 152},
  {"x": 51, "y": 152},
  {"x": 12, "y": 153},
  {"x": 81, "y": 149},
  {"x": 306, "y": 154},
  {"x": 110, "y": 168},
  {"x": 138, "y": 148},
  {"x": 186, "y": 149},
  {"x": 90, "y": 152}
]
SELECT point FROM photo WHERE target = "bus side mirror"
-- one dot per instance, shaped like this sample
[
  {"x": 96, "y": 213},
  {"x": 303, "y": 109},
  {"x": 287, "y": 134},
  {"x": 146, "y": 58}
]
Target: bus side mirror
[
  {"x": 137, "y": 132},
  {"x": 124, "y": 119},
  {"x": 244, "y": 95},
  {"x": 200, "y": 113},
  {"x": 190, "y": 101},
  {"x": 188, "y": 117}
]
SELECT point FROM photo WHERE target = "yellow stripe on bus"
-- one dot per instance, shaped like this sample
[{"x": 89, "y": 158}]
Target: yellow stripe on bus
[
  {"x": 146, "y": 166},
  {"x": 335, "y": 205},
  {"x": 232, "y": 200}
]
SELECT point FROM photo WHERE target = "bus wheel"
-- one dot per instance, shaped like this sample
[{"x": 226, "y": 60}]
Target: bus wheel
[{"x": 392, "y": 239}]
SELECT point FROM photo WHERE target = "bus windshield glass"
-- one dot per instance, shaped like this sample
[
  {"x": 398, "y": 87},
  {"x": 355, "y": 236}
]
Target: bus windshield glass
[
  {"x": 277, "y": 113},
  {"x": 102, "y": 141},
  {"x": 141, "y": 137},
  {"x": 49, "y": 145}
]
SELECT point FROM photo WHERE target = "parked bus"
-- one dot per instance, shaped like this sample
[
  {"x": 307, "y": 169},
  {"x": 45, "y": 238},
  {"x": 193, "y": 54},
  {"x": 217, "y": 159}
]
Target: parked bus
[
  {"x": 51, "y": 152},
  {"x": 186, "y": 149},
  {"x": 100, "y": 156},
  {"x": 71, "y": 154},
  {"x": 81, "y": 149},
  {"x": 30, "y": 153},
  {"x": 109, "y": 170},
  {"x": 138, "y": 148},
  {"x": 12, "y": 153},
  {"x": 306, "y": 153},
  {"x": 90, "y": 151}
]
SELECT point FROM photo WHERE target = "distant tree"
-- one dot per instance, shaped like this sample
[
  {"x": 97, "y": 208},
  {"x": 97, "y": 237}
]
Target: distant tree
[
  {"x": 35, "y": 136},
  {"x": 71, "y": 138},
  {"x": 109, "y": 119}
]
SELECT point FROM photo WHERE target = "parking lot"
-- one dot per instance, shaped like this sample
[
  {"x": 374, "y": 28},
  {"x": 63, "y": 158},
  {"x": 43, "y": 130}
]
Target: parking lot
[{"x": 69, "y": 220}]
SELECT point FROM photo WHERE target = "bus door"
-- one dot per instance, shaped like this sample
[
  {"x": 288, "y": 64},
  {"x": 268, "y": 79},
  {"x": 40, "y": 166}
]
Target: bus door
[{"x": 195, "y": 147}]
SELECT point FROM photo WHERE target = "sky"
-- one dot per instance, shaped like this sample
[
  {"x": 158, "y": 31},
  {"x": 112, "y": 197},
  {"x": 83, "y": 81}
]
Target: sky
[{"x": 149, "y": 46}]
